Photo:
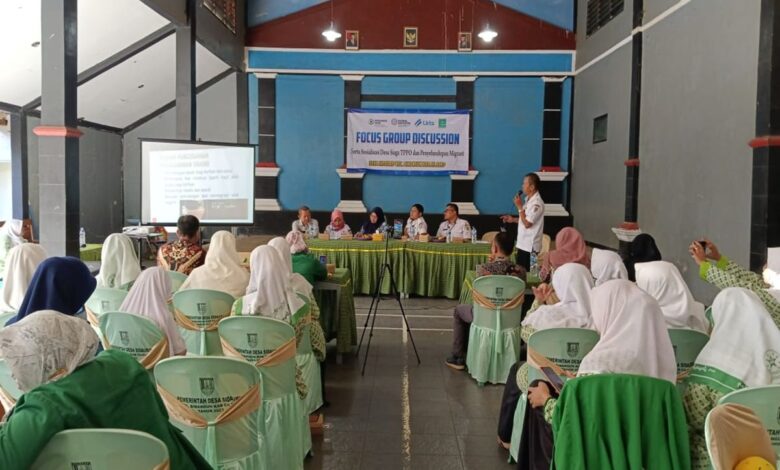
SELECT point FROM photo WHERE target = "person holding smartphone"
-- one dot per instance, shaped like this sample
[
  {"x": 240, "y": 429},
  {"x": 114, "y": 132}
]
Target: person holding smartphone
[{"x": 530, "y": 220}]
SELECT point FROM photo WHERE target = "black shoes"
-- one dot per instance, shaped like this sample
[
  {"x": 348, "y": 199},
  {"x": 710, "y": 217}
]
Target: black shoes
[{"x": 455, "y": 362}]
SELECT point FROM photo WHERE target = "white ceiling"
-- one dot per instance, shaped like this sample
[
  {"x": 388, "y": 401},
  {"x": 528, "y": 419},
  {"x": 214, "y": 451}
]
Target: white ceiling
[{"x": 104, "y": 28}]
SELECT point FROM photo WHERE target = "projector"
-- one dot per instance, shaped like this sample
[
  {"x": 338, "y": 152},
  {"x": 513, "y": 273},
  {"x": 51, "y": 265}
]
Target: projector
[{"x": 136, "y": 230}]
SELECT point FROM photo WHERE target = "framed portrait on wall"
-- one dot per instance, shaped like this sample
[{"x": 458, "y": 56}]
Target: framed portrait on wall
[
  {"x": 410, "y": 36},
  {"x": 464, "y": 41},
  {"x": 352, "y": 40}
]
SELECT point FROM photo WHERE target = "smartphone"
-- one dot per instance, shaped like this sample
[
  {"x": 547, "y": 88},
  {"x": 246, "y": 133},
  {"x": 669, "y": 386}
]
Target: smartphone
[
  {"x": 703, "y": 244},
  {"x": 554, "y": 379}
]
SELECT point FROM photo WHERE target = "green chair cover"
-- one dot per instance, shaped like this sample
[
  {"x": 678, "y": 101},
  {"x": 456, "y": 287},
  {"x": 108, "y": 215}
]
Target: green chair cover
[
  {"x": 307, "y": 362},
  {"x": 102, "y": 300},
  {"x": 494, "y": 337},
  {"x": 135, "y": 335},
  {"x": 287, "y": 435},
  {"x": 4, "y": 318},
  {"x": 209, "y": 385},
  {"x": 687, "y": 345},
  {"x": 566, "y": 347},
  {"x": 95, "y": 449},
  {"x": 9, "y": 390},
  {"x": 619, "y": 421},
  {"x": 204, "y": 308},
  {"x": 765, "y": 403},
  {"x": 177, "y": 279}
]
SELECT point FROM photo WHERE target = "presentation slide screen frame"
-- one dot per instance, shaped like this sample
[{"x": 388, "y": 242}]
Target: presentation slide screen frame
[{"x": 228, "y": 204}]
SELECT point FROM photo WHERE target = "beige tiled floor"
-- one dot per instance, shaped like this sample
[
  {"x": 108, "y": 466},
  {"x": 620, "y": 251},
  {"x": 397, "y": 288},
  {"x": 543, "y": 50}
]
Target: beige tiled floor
[{"x": 404, "y": 416}]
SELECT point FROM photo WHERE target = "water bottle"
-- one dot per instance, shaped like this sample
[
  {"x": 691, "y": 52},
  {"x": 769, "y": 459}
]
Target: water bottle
[
  {"x": 534, "y": 264},
  {"x": 82, "y": 237},
  {"x": 473, "y": 235}
]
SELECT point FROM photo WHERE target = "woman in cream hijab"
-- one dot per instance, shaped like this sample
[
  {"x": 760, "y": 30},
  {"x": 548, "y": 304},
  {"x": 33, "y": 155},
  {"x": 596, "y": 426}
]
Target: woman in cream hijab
[
  {"x": 269, "y": 292},
  {"x": 119, "y": 264},
  {"x": 21, "y": 263},
  {"x": 222, "y": 269},
  {"x": 10, "y": 236},
  {"x": 606, "y": 265},
  {"x": 663, "y": 281}
]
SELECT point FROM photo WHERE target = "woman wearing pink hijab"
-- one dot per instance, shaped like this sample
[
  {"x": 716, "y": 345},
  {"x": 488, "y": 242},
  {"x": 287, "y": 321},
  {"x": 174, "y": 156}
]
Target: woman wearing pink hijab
[
  {"x": 569, "y": 248},
  {"x": 337, "y": 227}
]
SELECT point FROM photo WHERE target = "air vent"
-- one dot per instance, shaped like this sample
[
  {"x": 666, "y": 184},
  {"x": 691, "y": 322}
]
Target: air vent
[{"x": 600, "y": 12}]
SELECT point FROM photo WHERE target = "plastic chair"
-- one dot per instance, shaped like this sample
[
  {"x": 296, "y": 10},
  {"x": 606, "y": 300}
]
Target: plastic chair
[
  {"x": 765, "y": 403},
  {"x": 288, "y": 438},
  {"x": 104, "y": 299},
  {"x": 494, "y": 337},
  {"x": 733, "y": 433},
  {"x": 489, "y": 236},
  {"x": 546, "y": 243},
  {"x": 136, "y": 335},
  {"x": 687, "y": 345},
  {"x": 565, "y": 347},
  {"x": 198, "y": 312},
  {"x": 308, "y": 363},
  {"x": 9, "y": 390},
  {"x": 177, "y": 279},
  {"x": 4, "y": 318},
  {"x": 96, "y": 449},
  {"x": 207, "y": 386}
]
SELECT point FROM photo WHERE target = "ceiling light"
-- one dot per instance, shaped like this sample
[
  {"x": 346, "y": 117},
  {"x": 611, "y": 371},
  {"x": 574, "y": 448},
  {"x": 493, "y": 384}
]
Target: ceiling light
[
  {"x": 487, "y": 34},
  {"x": 331, "y": 34}
]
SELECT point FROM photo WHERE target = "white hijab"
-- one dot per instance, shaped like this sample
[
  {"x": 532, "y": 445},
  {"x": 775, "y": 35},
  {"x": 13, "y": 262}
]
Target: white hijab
[
  {"x": 149, "y": 298},
  {"x": 606, "y": 265},
  {"x": 772, "y": 272},
  {"x": 663, "y": 281},
  {"x": 45, "y": 346},
  {"x": 222, "y": 268},
  {"x": 13, "y": 230},
  {"x": 634, "y": 339},
  {"x": 744, "y": 342},
  {"x": 20, "y": 265},
  {"x": 572, "y": 283},
  {"x": 297, "y": 282},
  {"x": 269, "y": 292},
  {"x": 118, "y": 262}
]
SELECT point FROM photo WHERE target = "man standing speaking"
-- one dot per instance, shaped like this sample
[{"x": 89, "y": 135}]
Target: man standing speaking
[{"x": 530, "y": 220}]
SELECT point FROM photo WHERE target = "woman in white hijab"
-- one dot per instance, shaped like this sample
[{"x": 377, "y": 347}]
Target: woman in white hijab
[
  {"x": 119, "y": 264},
  {"x": 149, "y": 298},
  {"x": 572, "y": 283},
  {"x": 663, "y": 281},
  {"x": 21, "y": 263},
  {"x": 10, "y": 236},
  {"x": 269, "y": 292},
  {"x": 742, "y": 352},
  {"x": 606, "y": 265},
  {"x": 222, "y": 269}
]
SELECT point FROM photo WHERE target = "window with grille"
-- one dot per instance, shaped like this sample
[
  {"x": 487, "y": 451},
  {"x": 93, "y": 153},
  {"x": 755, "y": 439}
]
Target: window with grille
[
  {"x": 600, "y": 12},
  {"x": 600, "y": 129}
]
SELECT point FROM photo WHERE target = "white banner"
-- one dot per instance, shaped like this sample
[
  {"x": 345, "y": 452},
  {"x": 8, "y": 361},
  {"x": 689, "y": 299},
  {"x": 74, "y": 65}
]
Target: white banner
[{"x": 408, "y": 142}]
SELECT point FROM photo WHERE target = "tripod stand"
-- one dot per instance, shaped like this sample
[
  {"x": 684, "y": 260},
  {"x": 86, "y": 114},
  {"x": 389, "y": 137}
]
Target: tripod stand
[{"x": 374, "y": 308}]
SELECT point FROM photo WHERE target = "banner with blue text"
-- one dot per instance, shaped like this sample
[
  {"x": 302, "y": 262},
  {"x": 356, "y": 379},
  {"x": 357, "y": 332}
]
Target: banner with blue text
[{"x": 413, "y": 142}]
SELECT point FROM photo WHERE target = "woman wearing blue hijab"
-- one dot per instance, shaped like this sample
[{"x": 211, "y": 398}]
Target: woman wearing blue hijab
[{"x": 60, "y": 283}]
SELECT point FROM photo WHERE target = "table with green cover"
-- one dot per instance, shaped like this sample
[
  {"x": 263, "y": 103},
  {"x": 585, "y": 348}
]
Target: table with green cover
[
  {"x": 425, "y": 269},
  {"x": 339, "y": 323},
  {"x": 91, "y": 252}
]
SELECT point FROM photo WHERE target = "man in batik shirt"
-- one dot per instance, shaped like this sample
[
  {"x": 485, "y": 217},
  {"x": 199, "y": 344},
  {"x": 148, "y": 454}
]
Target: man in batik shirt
[{"x": 185, "y": 254}]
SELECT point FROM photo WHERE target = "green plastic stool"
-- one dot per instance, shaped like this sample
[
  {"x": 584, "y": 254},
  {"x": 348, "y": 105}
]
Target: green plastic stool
[
  {"x": 97, "y": 449},
  {"x": 133, "y": 334},
  {"x": 203, "y": 307}
]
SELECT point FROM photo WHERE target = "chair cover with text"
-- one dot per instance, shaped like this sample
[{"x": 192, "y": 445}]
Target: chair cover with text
[
  {"x": 620, "y": 421},
  {"x": 687, "y": 346},
  {"x": 95, "y": 449},
  {"x": 494, "y": 337},
  {"x": 765, "y": 403},
  {"x": 198, "y": 312},
  {"x": 306, "y": 360},
  {"x": 733, "y": 433},
  {"x": 216, "y": 402},
  {"x": 560, "y": 349},
  {"x": 136, "y": 335},
  {"x": 270, "y": 345},
  {"x": 102, "y": 300}
]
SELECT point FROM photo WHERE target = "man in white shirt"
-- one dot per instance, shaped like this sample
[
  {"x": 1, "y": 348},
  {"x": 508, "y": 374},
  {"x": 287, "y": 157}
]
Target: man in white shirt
[
  {"x": 453, "y": 224},
  {"x": 530, "y": 220},
  {"x": 305, "y": 224}
]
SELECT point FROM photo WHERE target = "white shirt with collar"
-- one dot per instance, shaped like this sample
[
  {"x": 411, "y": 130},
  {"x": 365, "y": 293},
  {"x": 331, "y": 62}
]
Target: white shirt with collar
[
  {"x": 460, "y": 229},
  {"x": 530, "y": 239},
  {"x": 419, "y": 225}
]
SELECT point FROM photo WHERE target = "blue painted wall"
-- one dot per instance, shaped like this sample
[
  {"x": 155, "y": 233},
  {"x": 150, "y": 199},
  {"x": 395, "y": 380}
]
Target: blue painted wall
[
  {"x": 309, "y": 139},
  {"x": 253, "y": 112},
  {"x": 565, "y": 123},
  {"x": 507, "y": 138}
]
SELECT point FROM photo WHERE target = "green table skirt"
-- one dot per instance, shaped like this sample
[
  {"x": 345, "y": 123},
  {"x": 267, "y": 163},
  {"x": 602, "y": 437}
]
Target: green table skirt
[
  {"x": 340, "y": 324},
  {"x": 91, "y": 252},
  {"x": 425, "y": 269}
]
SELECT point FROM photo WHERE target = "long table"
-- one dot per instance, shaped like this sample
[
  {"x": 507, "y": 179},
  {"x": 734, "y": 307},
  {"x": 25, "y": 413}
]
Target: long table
[
  {"x": 337, "y": 310},
  {"x": 425, "y": 269}
]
